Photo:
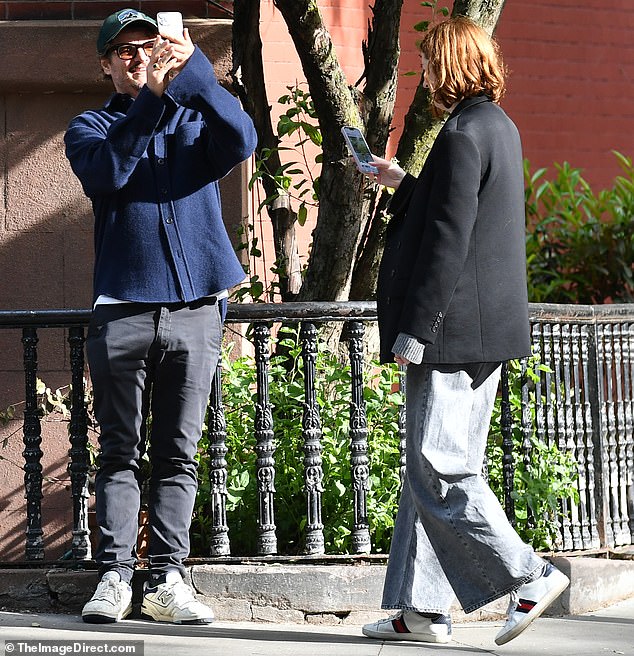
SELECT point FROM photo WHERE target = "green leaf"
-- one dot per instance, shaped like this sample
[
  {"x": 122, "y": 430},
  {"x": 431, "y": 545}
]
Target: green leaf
[{"x": 422, "y": 26}]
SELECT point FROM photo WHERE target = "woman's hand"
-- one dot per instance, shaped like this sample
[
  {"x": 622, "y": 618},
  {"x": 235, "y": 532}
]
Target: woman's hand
[
  {"x": 389, "y": 175},
  {"x": 168, "y": 57}
]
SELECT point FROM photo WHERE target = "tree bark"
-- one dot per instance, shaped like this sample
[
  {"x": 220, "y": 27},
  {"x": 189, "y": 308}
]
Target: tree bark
[
  {"x": 485, "y": 13},
  {"x": 345, "y": 195},
  {"x": 249, "y": 84}
]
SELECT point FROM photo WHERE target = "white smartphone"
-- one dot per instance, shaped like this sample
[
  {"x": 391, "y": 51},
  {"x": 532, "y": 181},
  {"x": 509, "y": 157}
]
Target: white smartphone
[
  {"x": 359, "y": 148},
  {"x": 170, "y": 23}
]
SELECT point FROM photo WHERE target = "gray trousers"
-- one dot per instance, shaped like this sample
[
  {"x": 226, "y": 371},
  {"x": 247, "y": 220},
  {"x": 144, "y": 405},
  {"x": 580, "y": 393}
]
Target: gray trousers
[
  {"x": 452, "y": 537},
  {"x": 156, "y": 360}
]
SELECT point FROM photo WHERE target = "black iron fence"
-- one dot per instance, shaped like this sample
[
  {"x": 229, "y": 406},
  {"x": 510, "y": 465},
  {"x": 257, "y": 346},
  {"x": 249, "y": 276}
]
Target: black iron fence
[{"x": 582, "y": 401}]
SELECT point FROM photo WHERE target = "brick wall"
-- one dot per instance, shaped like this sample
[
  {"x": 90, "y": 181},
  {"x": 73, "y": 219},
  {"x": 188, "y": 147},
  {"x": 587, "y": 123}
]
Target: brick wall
[
  {"x": 571, "y": 65},
  {"x": 571, "y": 70},
  {"x": 570, "y": 89},
  {"x": 98, "y": 9}
]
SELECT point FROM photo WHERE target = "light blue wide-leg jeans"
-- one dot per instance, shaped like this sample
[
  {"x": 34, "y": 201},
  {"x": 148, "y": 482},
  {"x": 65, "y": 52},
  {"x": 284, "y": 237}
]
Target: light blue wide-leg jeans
[{"x": 452, "y": 536}]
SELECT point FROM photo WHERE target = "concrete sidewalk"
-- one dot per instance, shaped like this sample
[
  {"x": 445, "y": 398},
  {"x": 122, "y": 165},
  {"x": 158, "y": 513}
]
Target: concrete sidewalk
[{"x": 604, "y": 632}]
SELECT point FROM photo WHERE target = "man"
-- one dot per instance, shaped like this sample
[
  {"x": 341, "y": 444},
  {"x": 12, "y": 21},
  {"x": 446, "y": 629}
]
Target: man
[{"x": 150, "y": 161}]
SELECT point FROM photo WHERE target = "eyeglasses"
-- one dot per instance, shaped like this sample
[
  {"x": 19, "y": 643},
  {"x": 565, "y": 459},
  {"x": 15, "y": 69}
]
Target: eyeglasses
[{"x": 127, "y": 51}]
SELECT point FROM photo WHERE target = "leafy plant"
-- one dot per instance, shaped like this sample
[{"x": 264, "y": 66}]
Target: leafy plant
[
  {"x": 580, "y": 244},
  {"x": 436, "y": 13},
  {"x": 292, "y": 182},
  {"x": 295, "y": 178},
  {"x": 287, "y": 398},
  {"x": 55, "y": 406},
  {"x": 541, "y": 484}
]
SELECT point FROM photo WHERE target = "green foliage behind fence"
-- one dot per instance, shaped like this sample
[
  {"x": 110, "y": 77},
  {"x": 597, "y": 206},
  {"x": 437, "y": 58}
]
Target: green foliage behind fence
[
  {"x": 538, "y": 486},
  {"x": 580, "y": 243}
]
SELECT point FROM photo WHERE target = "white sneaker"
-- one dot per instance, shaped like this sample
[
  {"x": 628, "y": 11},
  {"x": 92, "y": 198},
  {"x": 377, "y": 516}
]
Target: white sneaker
[
  {"x": 530, "y": 601},
  {"x": 174, "y": 601},
  {"x": 409, "y": 625},
  {"x": 111, "y": 602}
]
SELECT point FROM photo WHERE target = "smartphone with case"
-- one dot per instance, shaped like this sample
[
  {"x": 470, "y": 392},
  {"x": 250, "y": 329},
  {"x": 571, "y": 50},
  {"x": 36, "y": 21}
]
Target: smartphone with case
[
  {"x": 170, "y": 23},
  {"x": 359, "y": 148}
]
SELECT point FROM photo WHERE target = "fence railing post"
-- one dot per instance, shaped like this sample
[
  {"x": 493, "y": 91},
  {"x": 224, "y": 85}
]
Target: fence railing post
[
  {"x": 629, "y": 422},
  {"x": 358, "y": 441},
  {"x": 219, "y": 544},
  {"x": 264, "y": 444},
  {"x": 506, "y": 427},
  {"x": 598, "y": 415},
  {"x": 311, "y": 435},
  {"x": 402, "y": 422},
  {"x": 79, "y": 467},
  {"x": 32, "y": 452}
]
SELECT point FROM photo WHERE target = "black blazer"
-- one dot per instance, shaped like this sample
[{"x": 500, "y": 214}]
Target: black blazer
[{"x": 453, "y": 272}]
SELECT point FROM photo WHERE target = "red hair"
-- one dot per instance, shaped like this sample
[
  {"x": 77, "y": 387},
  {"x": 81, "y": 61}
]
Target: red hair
[{"x": 464, "y": 60}]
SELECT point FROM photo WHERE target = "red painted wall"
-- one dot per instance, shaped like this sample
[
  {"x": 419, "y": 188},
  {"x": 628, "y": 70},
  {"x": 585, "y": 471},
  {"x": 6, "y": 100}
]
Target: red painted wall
[
  {"x": 99, "y": 9},
  {"x": 571, "y": 68},
  {"x": 572, "y": 75}
]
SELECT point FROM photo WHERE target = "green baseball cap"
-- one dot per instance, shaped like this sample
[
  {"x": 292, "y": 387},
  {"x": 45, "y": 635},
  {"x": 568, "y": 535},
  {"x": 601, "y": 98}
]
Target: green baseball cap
[{"x": 119, "y": 21}]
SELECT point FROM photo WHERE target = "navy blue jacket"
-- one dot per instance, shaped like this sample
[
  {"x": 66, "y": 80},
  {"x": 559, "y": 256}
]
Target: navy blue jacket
[
  {"x": 453, "y": 273},
  {"x": 151, "y": 168}
]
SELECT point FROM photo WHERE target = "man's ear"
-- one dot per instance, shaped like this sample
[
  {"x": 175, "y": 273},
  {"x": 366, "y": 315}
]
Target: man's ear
[{"x": 105, "y": 65}]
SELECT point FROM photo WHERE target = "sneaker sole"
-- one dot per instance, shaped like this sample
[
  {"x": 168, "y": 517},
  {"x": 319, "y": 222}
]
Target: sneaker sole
[
  {"x": 410, "y": 637},
  {"x": 98, "y": 618},
  {"x": 168, "y": 618},
  {"x": 535, "y": 612}
]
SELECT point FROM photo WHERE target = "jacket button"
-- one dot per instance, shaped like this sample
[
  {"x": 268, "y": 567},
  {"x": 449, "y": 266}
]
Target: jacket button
[{"x": 169, "y": 220}]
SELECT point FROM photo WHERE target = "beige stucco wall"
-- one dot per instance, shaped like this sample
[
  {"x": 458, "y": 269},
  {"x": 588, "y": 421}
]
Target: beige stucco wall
[{"x": 49, "y": 72}]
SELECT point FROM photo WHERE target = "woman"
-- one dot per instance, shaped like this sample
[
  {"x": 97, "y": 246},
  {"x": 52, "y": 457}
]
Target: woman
[{"x": 453, "y": 306}]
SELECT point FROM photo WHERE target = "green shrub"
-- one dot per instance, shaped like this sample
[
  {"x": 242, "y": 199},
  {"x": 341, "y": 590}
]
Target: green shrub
[
  {"x": 580, "y": 245},
  {"x": 287, "y": 398},
  {"x": 538, "y": 487},
  {"x": 541, "y": 485}
]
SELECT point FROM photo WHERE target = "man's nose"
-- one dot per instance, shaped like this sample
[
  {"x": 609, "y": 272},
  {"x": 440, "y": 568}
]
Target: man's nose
[{"x": 142, "y": 55}]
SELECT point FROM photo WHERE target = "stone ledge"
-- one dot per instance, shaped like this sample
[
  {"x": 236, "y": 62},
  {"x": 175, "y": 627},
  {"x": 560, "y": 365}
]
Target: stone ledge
[{"x": 315, "y": 594}]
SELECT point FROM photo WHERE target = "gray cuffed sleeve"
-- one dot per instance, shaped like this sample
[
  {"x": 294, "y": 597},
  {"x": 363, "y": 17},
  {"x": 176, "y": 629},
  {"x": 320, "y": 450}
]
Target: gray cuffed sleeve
[{"x": 409, "y": 347}]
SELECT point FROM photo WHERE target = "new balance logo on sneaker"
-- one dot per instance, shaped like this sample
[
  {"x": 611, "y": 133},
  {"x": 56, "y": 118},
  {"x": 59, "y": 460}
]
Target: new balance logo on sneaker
[
  {"x": 412, "y": 626},
  {"x": 174, "y": 601}
]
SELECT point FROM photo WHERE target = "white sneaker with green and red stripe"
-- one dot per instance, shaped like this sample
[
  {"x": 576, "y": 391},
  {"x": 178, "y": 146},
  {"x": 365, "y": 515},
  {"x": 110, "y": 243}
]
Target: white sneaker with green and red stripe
[
  {"x": 410, "y": 625},
  {"x": 530, "y": 601}
]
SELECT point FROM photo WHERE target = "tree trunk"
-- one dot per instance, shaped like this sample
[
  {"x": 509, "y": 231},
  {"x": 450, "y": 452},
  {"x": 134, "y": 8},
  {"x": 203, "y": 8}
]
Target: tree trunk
[
  {"x": 248, "y": 81},
  {"x": 345, "y": 197},
  {"x": 485, "y": 13}
]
